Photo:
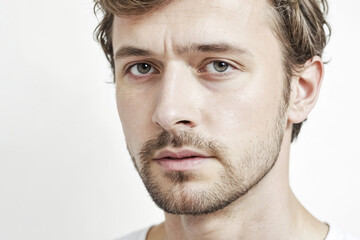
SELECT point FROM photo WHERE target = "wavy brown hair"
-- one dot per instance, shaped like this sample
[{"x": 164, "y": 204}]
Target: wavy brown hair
[{"x": 299, "y": 25}]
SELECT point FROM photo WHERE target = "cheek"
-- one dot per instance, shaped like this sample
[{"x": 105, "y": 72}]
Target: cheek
[
  {"x": 135, "y": 120},
  {"x": 246, "y": 114},
  {"x": 235, "y": 117}
]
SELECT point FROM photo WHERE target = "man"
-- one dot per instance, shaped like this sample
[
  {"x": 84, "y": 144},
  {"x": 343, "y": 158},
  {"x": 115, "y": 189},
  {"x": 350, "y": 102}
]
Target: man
[{"x": 210, "y": 95}]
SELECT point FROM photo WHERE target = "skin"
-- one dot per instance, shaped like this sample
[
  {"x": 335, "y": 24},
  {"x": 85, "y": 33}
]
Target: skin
[{"x": 184, "y": 93}]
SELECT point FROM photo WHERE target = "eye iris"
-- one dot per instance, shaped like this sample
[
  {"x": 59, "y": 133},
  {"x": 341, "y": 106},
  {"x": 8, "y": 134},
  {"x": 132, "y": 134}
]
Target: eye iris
[
  {"x": 220, "y": 66},
  {"x": 143, "y": 68}
]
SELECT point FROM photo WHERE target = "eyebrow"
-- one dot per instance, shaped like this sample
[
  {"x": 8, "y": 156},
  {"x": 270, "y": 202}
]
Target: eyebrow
[
  {"x": 213, "y": 48},
  {"x": 130, "y": 51}
]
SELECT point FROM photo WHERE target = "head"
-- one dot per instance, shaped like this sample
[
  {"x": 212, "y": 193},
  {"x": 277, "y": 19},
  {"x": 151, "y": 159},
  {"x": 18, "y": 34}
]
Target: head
[{"x": 223, "y": 79}]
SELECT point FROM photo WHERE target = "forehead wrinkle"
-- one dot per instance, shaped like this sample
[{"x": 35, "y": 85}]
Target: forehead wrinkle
[{"x": 165, "y": 47}]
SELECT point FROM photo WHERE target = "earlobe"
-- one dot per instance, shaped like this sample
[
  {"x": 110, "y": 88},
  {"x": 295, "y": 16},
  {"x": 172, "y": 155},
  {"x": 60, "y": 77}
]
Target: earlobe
[{"x": 305, "y": 90}]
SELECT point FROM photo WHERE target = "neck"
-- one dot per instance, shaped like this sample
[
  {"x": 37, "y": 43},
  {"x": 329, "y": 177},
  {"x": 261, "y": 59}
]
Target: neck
[{"x": 268, "y": 211}]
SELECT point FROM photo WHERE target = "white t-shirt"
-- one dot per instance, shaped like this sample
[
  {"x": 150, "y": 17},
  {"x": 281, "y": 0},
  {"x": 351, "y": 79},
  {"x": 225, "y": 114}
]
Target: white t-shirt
[
  {"x": 138, "y": 235},
  {"x": 333, "y": 234}
]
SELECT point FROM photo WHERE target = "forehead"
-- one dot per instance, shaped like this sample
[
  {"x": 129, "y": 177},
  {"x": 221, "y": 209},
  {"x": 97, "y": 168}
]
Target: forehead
[{"x": 239, "y": 22}]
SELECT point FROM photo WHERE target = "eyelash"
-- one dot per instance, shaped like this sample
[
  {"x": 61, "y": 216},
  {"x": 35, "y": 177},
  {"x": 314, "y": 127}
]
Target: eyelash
[
  {"x": 202, "y": 67},
  {"x": 127, "y": 70},
  {"x": 230, "y": 67}
]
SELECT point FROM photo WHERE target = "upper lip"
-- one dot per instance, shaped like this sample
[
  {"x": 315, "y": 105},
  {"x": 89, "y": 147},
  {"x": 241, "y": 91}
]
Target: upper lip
[{"x": 178, "y": 154}]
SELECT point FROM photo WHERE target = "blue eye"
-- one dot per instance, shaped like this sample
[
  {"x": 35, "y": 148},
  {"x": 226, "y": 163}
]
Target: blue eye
[
  {"x": 218, "y": 67},
  {"x": 141, "y": 69}
]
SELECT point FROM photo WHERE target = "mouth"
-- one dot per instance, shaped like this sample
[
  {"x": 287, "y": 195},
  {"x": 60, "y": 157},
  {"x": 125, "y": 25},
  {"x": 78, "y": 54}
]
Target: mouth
[{"x": 183, "y": 160}]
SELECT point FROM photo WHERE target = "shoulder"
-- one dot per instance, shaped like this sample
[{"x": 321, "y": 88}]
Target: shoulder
[
  {"x": 137, "y": 235},
  {"x": 336, "y": 234}
]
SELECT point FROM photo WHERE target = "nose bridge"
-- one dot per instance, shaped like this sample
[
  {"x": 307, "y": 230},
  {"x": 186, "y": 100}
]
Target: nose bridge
[
  {"x": 176, "y": 104},
  {"x": 175, "y": 83}
]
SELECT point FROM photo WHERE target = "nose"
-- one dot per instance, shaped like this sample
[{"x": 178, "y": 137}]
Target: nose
[{"x": 178, "y": 100}]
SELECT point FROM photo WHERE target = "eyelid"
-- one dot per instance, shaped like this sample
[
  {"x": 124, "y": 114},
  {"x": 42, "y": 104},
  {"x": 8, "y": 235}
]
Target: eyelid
[
  {"x": 232, "y": 64},
  {"x": 128, "y": 66}
]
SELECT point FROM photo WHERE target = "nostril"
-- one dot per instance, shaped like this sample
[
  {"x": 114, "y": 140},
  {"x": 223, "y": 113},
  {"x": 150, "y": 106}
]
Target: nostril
[{"x": 185, "y": 122}]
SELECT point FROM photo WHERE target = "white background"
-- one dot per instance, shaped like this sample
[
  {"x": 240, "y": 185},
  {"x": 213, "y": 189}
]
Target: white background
[{"x": 64, "y": 169}]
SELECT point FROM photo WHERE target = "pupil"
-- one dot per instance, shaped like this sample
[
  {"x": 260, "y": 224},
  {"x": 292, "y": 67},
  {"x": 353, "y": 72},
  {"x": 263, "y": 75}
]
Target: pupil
[
  {"x": 143, "y": 68},
  {"x": 221, "y": 66}
]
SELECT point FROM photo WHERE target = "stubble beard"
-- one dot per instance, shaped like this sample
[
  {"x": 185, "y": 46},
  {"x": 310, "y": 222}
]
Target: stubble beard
[{"x": 233, "y": 181}]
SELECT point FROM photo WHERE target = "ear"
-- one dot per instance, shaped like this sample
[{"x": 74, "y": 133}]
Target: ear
[{"x": 305, "y": 90}]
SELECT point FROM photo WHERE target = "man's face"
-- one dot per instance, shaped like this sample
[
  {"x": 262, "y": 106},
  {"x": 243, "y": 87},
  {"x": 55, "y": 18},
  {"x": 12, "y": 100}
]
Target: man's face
[{"x": 200, "y": 97}]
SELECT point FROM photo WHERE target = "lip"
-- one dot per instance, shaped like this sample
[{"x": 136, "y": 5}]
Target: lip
[
  {"x": 183, "y": 160},
  {"x": 178, "y": 155}
]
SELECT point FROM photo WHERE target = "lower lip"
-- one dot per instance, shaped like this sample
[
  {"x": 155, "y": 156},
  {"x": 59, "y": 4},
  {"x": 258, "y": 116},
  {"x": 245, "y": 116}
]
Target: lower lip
[{"x": 184, "y": 164}]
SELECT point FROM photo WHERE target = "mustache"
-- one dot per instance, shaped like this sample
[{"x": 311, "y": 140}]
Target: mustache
[{"x": 183, "y": 138}]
